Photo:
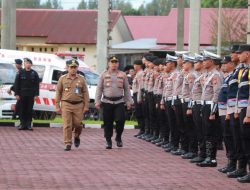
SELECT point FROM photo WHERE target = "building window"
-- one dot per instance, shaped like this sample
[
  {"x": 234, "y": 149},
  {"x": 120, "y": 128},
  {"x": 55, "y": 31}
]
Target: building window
[
  {"x": 70, "y": 49},
  {"x": 52, "y": 49},
  {"x": 45, "y": 49},
  {"x": 16, "y": 48},
  {"x": 83, "y": 49},
  {"x": 77, "y": 49},
  {"x": 32, "y": 49},
  {"x": 40, "y": 49}
]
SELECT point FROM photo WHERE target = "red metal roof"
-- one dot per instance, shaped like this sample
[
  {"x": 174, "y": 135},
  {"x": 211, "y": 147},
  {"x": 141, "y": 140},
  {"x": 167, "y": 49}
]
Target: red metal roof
[
  {"x": 164, "y": 28},
  {"x": 60, "y": 26}
]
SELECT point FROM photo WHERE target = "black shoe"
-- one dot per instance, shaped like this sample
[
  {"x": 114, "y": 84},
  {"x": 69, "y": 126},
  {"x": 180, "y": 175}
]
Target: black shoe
[
  {"x": 208, "y": 162},
  {"x": 119, "y": 143},
  {"x": 230, "y": 167},
  {"x": 237, "y": 173},
  {"x": 67, "y": 147},
  {"x": 77, "y": 142},
  {"x": 167, "y": 145},
  {"x": 109, "y": 144},
  {"x": 141, "y": 136},
  {"x": 179, "y": 152},
  {"x": 158, "y": 140},
  {"x": 152, "y": 138},
  {"x": 171, "y": 149},
  {"x": 30, "y": 128},
  {"x": 220, "y": 146},
  {"x": 20, "y": 127},
  {"x": 197, "y": 159},
  {"x": 189, "y": 155},
  {"x": 138, "y": 134},
  {"x": 244, "y": 179}
]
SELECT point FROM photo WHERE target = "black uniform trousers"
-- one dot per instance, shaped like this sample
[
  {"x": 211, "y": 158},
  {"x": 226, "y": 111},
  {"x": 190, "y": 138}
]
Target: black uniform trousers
[
  {"x": 139, "y": 113},
  {"x": 228, "y": 138},
  {"x": 26, "y": 110},
  {"x": 210, "y": 131},
  {"x": 152, "y": 112},
  {"x": 196, "y": 113},
  {"x": 17, "y": 109},
  {"x": 146, "y": 112},
  {"x": 181, "y": 125},
  {"x": 189, "y": 130},
  {"x": 162, "y": 128},
  {"x": 236, "y": 129},
  {"x": 113, "y": 113},
  {"x": 174, "y": 132},
  {"x": 245, "y": 134}
]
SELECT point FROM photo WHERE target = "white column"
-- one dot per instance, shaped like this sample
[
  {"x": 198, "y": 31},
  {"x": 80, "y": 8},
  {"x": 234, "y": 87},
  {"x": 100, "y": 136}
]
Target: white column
[
  {"x": 180, "y": 25},
  {"x": 219, "y": 29}
]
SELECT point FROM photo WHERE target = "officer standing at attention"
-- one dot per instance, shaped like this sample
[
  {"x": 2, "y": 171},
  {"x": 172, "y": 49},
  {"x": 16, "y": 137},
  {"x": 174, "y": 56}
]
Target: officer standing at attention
[
  {"x": 210, "y": 92},
  {"x": 112, "y": 92},
  {"x": 72, "y": 93},
  {"x": 136, "y": 88},
  {"x": 18, "y": 64},
  {"x": 26, "y": 90}
]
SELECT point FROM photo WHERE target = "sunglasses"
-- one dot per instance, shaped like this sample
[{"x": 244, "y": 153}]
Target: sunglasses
[{"x": 114, "y": 61}]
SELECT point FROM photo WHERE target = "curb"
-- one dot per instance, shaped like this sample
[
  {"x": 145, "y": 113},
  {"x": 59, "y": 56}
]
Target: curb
[{"x": 59, "y": 125}]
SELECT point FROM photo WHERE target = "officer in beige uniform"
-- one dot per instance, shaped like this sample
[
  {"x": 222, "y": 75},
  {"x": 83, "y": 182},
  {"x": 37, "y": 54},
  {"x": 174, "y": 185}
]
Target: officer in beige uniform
[
  {"x": 72, "y": 100},
  {"x": 210, "y": 93},
  {"x": 112, "y": 93}
]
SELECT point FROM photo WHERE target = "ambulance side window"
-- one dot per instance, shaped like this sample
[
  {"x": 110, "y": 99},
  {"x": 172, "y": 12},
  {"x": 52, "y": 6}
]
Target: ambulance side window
[{"x": 55, "y": 76}]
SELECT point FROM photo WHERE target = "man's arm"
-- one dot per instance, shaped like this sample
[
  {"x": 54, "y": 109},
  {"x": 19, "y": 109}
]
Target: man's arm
[
  {"x": 99, "y": 90},
  {"x": 85, "y": 94},
  {"x": 127, "y": 95},
  {"x": 59, "y": 90}
]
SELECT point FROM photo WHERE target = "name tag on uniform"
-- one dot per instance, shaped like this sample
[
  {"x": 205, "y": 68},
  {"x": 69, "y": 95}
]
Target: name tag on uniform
[{"x": 77, "y": 90}]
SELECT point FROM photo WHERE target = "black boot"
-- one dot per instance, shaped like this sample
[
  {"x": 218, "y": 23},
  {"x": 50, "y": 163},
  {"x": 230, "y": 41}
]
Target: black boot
[
  {"x": 240, "y": 172},
  {"x": 244, "y": 179},
  {"x": 210, "y": 160},
  {"x": 231, "y": 166},
  {"x": 108, "y": 144}
]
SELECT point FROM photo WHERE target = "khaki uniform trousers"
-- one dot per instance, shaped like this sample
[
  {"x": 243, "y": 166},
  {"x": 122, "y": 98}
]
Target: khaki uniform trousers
[{"x": 72, "y": 115}]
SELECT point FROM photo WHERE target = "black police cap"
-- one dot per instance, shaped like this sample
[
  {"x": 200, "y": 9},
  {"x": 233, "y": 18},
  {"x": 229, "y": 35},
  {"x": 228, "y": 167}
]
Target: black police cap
[
  {"x": 158, "y": 61},
  {"x": 243, "y": 47},
  {"x": 151, "y": 58},
  {"x": 27, "y": 60},
  {"x": 138, "y": 62},
  {"x": 234, "y": 48},
  {"x": 113, "y": 58},
  {"x": 18, "y": 61},
  {"x": 72, "y": 62},
  {"x": 226, "y": 59}
]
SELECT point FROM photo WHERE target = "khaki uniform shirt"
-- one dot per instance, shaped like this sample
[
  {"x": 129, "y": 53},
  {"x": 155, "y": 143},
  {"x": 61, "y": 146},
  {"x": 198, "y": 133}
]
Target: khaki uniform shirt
[
  {"x": 151, "y": 80},
  {"x": 72, "y": 90},
  {"x": 157, "y": 83},
  {"x": 212, "y": 85},
  {"x": 197, "y": 87},
  {"x": 138, "y": 84},
  {"x": 113, "y": 85},
  {"x": 187, "y": 85},
  {"x": 177, "y": 83}
]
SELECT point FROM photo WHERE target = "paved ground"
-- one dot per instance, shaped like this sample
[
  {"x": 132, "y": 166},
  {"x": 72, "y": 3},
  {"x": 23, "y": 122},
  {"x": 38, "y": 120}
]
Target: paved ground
[{"x": 36, "y": 160}]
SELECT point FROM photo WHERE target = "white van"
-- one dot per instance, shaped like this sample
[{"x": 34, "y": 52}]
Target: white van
[{"x": 49, "y": 67}]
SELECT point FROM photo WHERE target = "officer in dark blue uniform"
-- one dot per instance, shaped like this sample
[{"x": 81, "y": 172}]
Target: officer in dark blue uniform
[
  {"x": 243, "y": 112},
  {"x": 222, "y": 105},
  {"x": 26, "y": 90}
]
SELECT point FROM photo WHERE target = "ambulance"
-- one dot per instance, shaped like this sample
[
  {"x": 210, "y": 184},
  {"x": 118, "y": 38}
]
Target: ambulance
[{"x": 49, "y": 68}]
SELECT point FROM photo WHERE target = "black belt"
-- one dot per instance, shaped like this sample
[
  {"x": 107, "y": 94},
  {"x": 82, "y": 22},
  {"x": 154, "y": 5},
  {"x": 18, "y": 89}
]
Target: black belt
[
  {"x": 73, "y": 102},
  {"x": 113, "y": 99}
]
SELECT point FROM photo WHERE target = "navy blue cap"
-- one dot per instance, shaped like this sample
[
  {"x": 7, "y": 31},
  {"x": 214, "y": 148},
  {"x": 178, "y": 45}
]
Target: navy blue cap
[
  {"x": 243, "y": 47},
  {"x": 72, "y": 63},
  {"x": 28, "y": 60},
  {"x": 226, "y": 59},
  {"x": 234, "y": 48},
  {"x": 138, "y": 62},
  {"x": 18, "y": 61},
  {"x": 151, "y": 58}
]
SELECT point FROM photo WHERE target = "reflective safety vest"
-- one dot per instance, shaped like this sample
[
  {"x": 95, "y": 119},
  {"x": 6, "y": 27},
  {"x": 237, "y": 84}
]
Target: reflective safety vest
[{"x": 243, "y": 93}]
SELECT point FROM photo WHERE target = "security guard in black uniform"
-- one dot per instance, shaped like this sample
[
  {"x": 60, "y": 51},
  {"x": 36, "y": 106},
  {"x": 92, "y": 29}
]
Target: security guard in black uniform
[
  {"x": 26, "y": 90},
  {"x": 18, "y": 64}
]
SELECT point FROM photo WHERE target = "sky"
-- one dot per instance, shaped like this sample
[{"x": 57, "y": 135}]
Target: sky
[{"x": 69, "y": 4}]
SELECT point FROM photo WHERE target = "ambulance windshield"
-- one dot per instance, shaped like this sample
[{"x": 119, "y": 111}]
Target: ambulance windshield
[{"x": 7, "y": 73}]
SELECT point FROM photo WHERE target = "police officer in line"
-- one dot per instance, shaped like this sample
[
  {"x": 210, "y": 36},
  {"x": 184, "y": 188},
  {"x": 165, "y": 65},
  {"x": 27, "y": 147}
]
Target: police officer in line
[
  {"x": 229, "y": 67},
  {"x": 233, "y": 85},
  {"x": 18, "y": 65},
  {"x": 243, "y": 111},
  {"x": 26, "y": 91},
  {"x": 166, "y": 104},
  {"x": 211, "y": 87},
  {"x": 112, "y": 93},
  {"x": 195, "y": 109},
  {"x": 136, "y": 88},
  {"x": 72, "y": 101}
]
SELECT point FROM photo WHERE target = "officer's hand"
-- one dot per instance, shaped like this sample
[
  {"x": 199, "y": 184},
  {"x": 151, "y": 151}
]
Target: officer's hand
[
  {"x": 212, "y": 117},
  {"x": 58, "y": 110},
  {"x": 85, "y": 110},
  {"x": 128, "y": 106},
  {"x": 227, "y": 117},
  {"x": 98, "y": 106},
  {"x": 236, "y": 115},
  {"x": 162, "y": 107},
  {"x": 9, "y": 92},
  {"x": 189, "y": 112},
  {"x": 246, "y": 120},
  {"x": 17, "y": 97},
  {"x": 35, "y": 98}
]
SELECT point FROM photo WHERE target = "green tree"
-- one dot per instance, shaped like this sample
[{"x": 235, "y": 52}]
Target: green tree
[
  {"x": 226, "y": 3},
  {"x": 47, "y": 5},
  {"x": 93, "y": 4},
  {"x": 125, "y": 7},
  {"x": 28, "y": 4},
  {"x": 159, "y": 7},
  {"x": 82, "y": 5},
  {"x": 56, "y": 4}
]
